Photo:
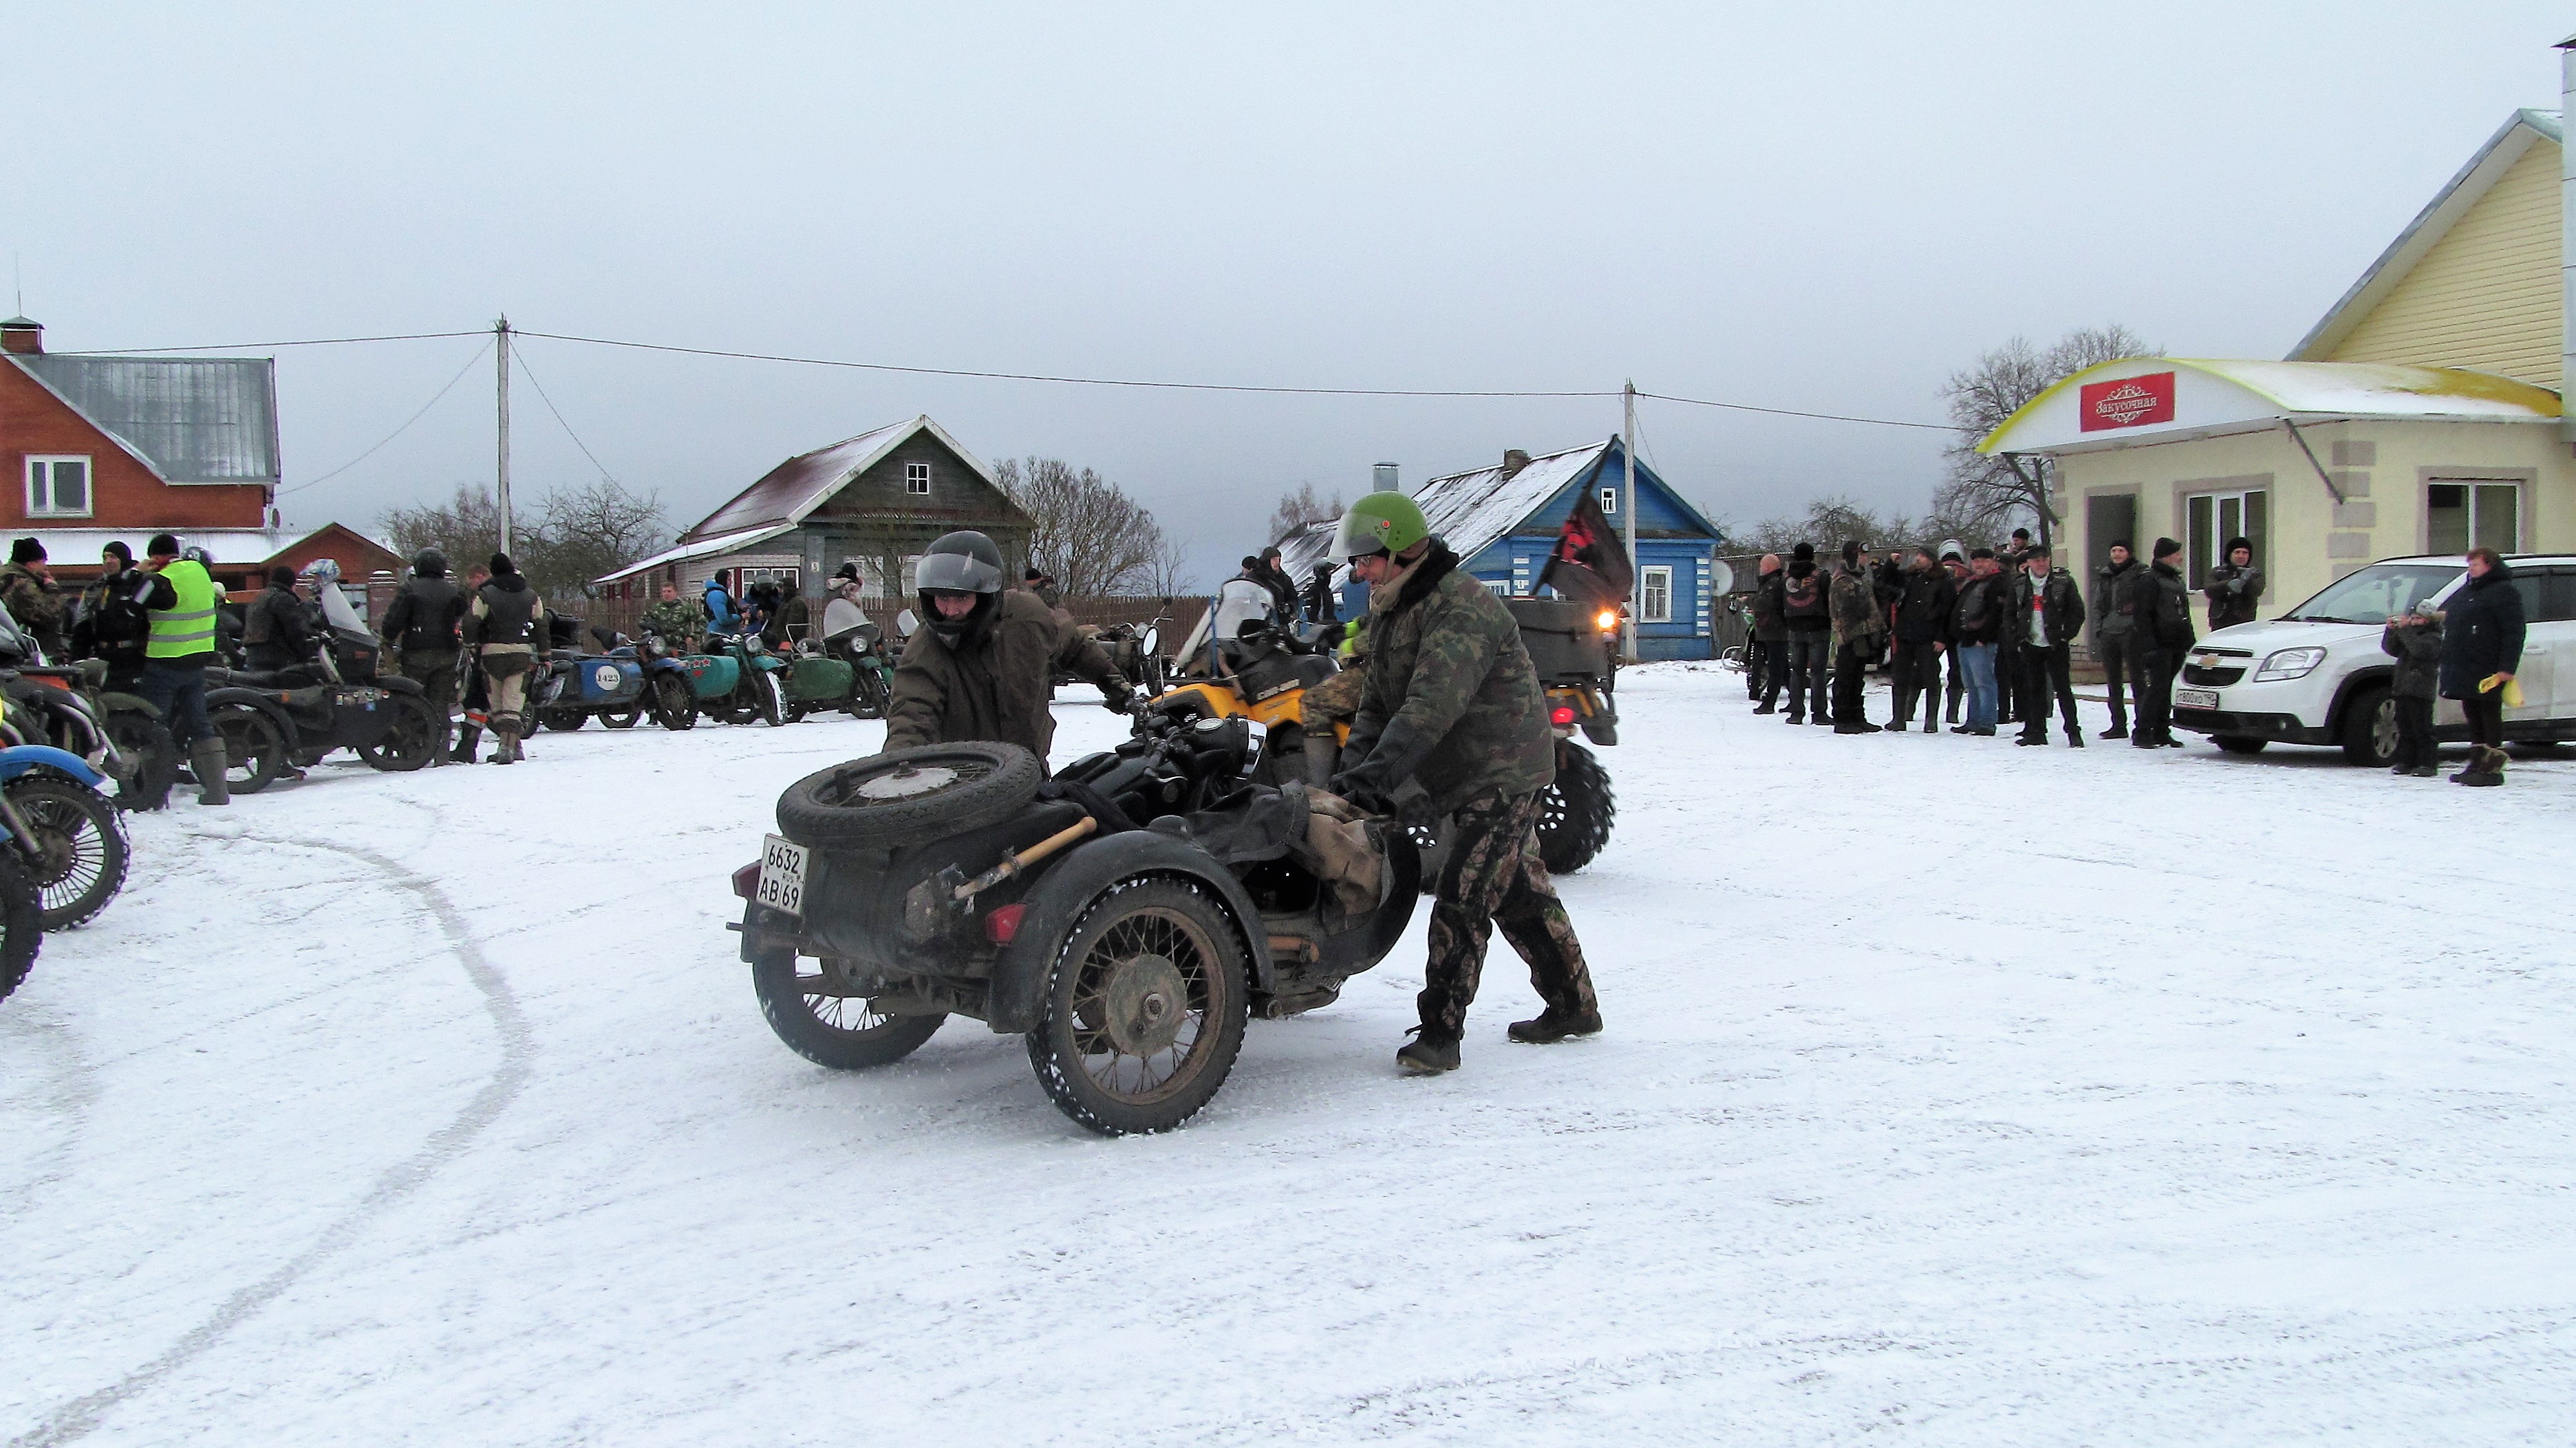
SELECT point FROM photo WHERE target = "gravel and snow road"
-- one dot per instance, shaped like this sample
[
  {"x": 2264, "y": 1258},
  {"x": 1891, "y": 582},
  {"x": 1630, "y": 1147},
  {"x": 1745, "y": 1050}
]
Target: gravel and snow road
[{"x": 1952, "y": 1094}]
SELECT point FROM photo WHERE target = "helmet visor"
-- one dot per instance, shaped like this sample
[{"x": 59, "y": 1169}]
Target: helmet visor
[
  {"x": 957, "y": 572},
  {"x": 1359, "y": 535}
]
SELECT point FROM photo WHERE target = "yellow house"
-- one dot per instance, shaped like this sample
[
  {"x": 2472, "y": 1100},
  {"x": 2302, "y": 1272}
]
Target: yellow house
[{"x": 2420, "y": 415}]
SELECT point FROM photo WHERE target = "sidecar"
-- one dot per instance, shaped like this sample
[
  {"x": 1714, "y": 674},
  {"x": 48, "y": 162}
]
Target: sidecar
[
  {"x": 1126, "y": 918},
  {"x": 573, "y": 686}
]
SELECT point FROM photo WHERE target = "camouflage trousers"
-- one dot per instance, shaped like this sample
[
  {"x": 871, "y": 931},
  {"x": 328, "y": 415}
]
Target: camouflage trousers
[
  {"x": 1494, "y": 877},
  {"x": 1334, "y": 700}
]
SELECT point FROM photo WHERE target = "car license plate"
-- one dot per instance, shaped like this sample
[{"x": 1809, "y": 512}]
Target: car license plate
[
  {"x": 782, "y": 876},
  {"x": 2194, "y": 699}
]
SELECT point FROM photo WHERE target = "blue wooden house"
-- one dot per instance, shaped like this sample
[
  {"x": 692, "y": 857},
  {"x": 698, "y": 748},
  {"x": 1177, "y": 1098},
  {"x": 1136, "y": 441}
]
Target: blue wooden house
[{"x": 1503, "y": 521}]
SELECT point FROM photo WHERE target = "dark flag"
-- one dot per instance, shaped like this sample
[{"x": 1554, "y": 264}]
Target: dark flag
[{"x": 1588, "y": 564}]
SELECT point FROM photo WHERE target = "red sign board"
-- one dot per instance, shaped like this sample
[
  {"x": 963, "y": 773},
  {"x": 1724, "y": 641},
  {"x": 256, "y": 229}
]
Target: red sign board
[{"x": 2127, "y": 401}]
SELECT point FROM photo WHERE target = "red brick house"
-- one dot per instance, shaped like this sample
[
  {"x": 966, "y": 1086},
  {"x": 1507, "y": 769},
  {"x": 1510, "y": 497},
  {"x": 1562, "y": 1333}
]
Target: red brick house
[{"x": 111, "y": 448}]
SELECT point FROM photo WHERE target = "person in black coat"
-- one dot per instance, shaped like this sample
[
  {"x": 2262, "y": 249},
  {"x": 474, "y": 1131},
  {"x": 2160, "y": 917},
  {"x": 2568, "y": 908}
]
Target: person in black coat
[
  {"x": 2162, "y": 601},
  {"x": 2414, "y": 640},
  {"x": 1923, "y": 604},
  {"x": 1808, "y": 612},
  {"x": 2048, "y": 613},
  {"x": 2482, "y": 628},
  {"x": 1766, "y": 653},
  {"x": 277, "y": 633}
]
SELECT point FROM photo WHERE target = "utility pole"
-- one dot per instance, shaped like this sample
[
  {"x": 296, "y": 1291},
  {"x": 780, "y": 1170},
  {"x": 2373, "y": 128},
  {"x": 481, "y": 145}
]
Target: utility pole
[
  {"x": 1628, "y": 511},
  {"x": 501, "y": 376}
]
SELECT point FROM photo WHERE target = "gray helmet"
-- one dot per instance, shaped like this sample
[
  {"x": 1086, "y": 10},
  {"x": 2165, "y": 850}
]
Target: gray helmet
[
  {"x": 962, "y": 562},
  {"x": 429, "y": 563}
]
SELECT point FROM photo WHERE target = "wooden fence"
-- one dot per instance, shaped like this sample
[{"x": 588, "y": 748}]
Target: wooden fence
[{"x": 623, "y": 614}]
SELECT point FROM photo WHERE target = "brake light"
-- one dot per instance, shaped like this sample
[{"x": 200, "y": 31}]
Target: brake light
[
  {"x": 1564, "y": 714},
  {"x": 1609, "y": 621},
  {"x": 746, "y": 881},
  {"x": 1003, "y": 926}
]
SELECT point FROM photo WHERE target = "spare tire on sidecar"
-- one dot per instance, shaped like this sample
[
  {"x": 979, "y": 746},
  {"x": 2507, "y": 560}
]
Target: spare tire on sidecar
[{"x": 1126, "y": 917}]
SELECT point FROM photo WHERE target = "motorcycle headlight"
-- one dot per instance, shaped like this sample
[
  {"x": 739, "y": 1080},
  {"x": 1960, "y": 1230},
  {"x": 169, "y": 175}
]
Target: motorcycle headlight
[{"x": 2290, "y": 664}]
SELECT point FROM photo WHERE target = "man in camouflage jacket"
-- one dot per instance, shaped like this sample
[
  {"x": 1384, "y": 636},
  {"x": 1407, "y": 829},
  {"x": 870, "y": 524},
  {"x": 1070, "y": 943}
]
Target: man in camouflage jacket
[
  {"x": 1451, "y": 699},
  {"x": 1860, "y": 631}
]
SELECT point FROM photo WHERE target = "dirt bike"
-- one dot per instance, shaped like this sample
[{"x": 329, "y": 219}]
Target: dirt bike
[{"x": 1125, "y": 918}]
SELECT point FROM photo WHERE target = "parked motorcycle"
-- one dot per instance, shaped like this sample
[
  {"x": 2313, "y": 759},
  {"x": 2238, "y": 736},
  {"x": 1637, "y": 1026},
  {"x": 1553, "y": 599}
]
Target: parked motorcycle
[
  {"x": 290, "y": 719},
  {"x": 118, "y": 734},
  {"x": 949, "y": 879},
  {"x": 572, "y": 687},
  {"x": 739, "y": 682}
]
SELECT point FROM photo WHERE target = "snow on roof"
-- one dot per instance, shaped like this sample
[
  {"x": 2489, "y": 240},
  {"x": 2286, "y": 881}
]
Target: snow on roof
[
  {"x": 2213, "y": 396},
  {"x": 228, "y": 546},
  {"x": 796, "y": 487},
  {"x": 1472, "y": 510},
  {"x": 189, "y": 419},
  {"x": 702, "y": 548},
  {"x": 2462, "y": 191}
]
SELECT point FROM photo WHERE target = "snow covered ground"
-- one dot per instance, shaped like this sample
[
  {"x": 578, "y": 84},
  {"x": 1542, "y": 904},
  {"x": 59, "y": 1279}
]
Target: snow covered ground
[{"x": 1953, "y": 1093}]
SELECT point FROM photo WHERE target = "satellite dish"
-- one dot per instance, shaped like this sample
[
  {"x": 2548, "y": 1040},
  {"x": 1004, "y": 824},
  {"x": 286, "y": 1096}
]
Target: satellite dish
[{"x": 1721, "y": 576}]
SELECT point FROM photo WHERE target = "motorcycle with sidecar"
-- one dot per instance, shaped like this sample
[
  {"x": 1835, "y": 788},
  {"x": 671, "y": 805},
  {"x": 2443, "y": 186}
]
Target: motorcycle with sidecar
[
  {"x": 572, "y": 687},
  {"x": 292, "y": 717},
  {"x": 1125, "y": 918},
  {"x": 737, "y": 680}
]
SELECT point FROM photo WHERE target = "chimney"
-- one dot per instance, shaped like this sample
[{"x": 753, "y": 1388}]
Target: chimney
[
  {"x": 1513, "y": 461},
  {"x": 1382, "y": 479},
  {"x": 20, "y": 335},
  {"x": 2566, "y": 232}
]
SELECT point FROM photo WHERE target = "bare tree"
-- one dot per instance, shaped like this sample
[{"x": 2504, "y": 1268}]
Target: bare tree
[
  {"x": 1829, "y": 523},
  {"x": 1985, "y": 494},
  {"x": 598, "y": 527},
  {"x": 1093, "y": 539},
  {"x": 467, "y": 528},
  {"x": 1298, "y": 507},
  {"x": 1170, "y": 575}
]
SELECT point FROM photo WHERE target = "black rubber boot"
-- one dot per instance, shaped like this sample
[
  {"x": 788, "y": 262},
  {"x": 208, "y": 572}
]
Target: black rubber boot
[
  {"x": 468, "y": 739},
  {"x": 1428, "y": 1054},
  {"x": 208, "y": 758},
  {"x": 1554, "y": 1025}
]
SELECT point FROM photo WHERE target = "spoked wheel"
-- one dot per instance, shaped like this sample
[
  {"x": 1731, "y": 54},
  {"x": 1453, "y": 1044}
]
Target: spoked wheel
[
  {"x": 22, "y": 930},
  {"x": 770, "y": 698},
  {"x": 254, "y": 750},
  {"x": 906, "y": 795},
  {"x": 81, "y": 851},
  {"x": 1144, "y": 1009},
  {"x": 151, "y": 759},
  {"x": 621, "y": 718},
  {"x": 674, "y": 707},
  {"x": 809, "y": 1004},
  {"x": 411, "y": 741},
  {"x": 868, "y": 699},
  {"x": 1576, "y": 812}
]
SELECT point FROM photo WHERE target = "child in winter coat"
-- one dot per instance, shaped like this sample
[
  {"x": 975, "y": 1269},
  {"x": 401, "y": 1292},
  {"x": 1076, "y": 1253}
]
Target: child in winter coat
[{"x": 2415, "y": 640}]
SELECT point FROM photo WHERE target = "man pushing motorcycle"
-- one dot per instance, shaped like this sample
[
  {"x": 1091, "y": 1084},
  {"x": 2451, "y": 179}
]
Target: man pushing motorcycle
[
  {"x": 1451, "y": 699},
  {"x": 981, "y": 664}
]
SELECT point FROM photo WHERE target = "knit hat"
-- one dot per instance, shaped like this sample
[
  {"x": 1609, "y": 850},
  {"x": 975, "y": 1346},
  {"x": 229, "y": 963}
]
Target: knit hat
[
  {"x": 2235, "y": 543},
  {"x": 2021, "y": 535},
  {"x": 281, "y": 577},
  {"x": 2166, "y": 548},
  {"x": 124, "y": 555},
  {"x": 502, "y": 565},
  {"x": 163, "y": 545},
  {"x": 2122, "y": 543},
  {"x": 1953, "y": 548},
  {"x": 1851, "y": 550},
  {"x": 1983, "y": 553},
  {"x": 1803, "y": 553},
  {"x": 26, "y": 550}
]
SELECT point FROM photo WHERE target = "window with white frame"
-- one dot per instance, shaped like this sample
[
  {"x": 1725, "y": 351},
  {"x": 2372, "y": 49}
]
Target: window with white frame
[
  {"x": 1609, "y": 500},
  {"x": 2465, "y": 514},
  {"x": 58, "y": 487},
  {"x": 1657, "y": 604},
  {"x": 916, "y": 479},
  {"x": 2212, "y": 519}
]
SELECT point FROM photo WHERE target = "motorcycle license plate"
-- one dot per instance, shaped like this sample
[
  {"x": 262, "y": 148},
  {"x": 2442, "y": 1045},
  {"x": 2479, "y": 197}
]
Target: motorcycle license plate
[
  {"x": 2195, "y": 698},
  {"x": 782, "y": 876}
]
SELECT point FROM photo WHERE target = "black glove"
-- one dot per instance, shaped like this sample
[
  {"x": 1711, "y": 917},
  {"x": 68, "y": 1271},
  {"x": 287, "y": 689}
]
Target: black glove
[
  {"x": 1372, "y": 782},
  {"x": 1116, "y": 697}
]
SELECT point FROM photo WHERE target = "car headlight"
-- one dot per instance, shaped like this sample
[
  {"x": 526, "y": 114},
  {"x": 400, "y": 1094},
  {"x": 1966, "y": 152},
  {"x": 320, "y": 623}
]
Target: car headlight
[{"x": 2290, "y": 664}]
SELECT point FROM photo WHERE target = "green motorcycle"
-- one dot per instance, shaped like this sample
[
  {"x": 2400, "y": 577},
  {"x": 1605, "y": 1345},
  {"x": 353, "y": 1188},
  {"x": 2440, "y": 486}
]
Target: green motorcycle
[{"x": 738, "y": 680}]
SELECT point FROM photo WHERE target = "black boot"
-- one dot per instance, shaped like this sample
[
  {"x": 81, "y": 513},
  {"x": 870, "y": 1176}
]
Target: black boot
[
  {"x": 1429, "y": 1053},
  {"x": 1555, "y": 1025},
  {"x": 468, "y": 739}
]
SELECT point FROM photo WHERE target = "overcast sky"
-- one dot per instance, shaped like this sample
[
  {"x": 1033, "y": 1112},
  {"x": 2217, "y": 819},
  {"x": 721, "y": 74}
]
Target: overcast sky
[{"x": 1813, "y": 207}]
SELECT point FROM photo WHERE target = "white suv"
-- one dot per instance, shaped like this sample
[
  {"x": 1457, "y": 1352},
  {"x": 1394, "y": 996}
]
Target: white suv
[{"x": 2316, "y": 675}]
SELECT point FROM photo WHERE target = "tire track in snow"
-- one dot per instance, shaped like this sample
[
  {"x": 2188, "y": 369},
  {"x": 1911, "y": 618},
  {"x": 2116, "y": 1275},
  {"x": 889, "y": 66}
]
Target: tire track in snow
[
  {"x": 79, "y": 1417},
  {"x": 74, "y": 1090}
]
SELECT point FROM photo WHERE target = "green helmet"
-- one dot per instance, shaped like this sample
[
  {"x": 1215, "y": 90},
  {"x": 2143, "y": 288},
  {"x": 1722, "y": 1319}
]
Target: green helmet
[{"x": 1379, "y": 523}]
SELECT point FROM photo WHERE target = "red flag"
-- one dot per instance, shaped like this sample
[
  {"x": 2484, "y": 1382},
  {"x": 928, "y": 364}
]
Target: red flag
[{"x": 1588, "y": 564}]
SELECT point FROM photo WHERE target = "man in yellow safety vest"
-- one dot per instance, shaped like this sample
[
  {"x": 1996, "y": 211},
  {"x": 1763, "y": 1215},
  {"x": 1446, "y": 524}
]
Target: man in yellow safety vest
[{"x": 179, "y": 598}]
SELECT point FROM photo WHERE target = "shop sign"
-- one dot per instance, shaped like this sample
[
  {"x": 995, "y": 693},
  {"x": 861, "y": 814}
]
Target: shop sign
[{"x": 2127, "y": 401}]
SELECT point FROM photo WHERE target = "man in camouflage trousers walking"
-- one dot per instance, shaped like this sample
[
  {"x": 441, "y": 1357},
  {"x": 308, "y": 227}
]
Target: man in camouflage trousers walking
[{"x": 1450, "y": 698}]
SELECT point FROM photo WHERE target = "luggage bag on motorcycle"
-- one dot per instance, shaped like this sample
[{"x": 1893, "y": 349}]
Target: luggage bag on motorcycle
[{"x": 1564, "y": 639}]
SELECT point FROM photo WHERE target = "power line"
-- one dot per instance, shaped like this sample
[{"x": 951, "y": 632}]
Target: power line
[
  {"x": 1793, "y": 412},
  {"x": 522, "y": 359},
  {"x": 243, "y": 346},
  {"x": 407, "y": 422},
  {"x": 1050, "y": 377}
]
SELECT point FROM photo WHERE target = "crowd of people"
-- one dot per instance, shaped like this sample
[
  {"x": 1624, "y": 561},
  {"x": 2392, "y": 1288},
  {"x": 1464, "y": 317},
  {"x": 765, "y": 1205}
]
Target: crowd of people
[{"x": 2004, "y": 624}]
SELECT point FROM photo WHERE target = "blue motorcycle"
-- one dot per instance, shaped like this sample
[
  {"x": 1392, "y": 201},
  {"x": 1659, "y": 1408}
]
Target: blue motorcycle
[{"x": 64, "y": 855}]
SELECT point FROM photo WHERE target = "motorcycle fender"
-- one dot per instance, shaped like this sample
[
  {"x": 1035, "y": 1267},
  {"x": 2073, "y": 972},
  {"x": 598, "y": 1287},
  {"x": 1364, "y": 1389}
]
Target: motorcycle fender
[
  {"x": 1018, "y": 988},
  {"x": 1601, "y": 730},
  {"x": 266, "y": 703},
  {"x": 129, "y": 704},
  {"x": 20, "y": 758}
]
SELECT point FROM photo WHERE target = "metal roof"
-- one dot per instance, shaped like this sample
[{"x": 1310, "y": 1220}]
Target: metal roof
[
  {"x": 796, "y": 487},
  {"x": 189, "y": 419}
]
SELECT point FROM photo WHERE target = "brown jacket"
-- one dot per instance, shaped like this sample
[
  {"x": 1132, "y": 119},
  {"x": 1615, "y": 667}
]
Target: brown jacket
[{"x": 998, "y": 687}]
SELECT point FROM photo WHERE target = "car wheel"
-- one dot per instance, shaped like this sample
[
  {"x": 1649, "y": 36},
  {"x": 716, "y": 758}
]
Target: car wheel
[
  {"x": 2370, "y": 728},
  {"x": 2238, "y": 743},
  {"x": 1576, "y": 813},
  {"x": 807, "y": 1005},
  {"x": 895, "y": 798},
  {"x": 1145, "y": 1009}
]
